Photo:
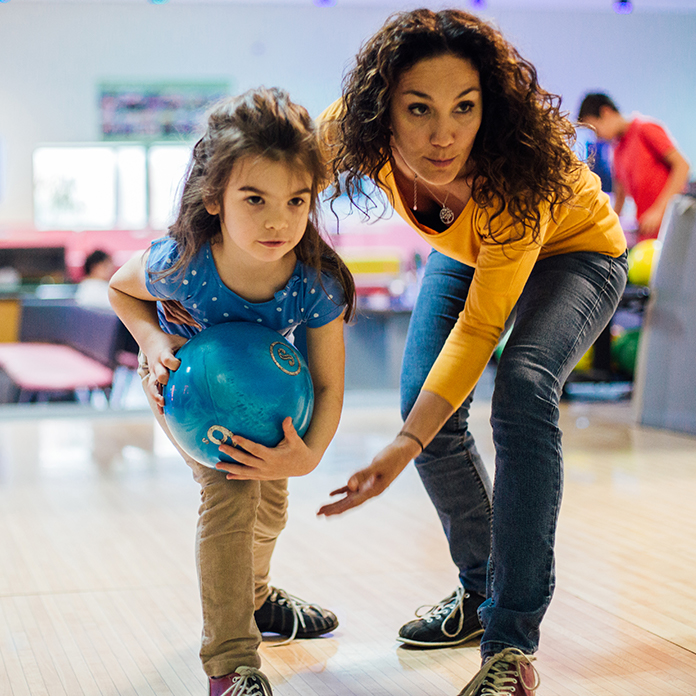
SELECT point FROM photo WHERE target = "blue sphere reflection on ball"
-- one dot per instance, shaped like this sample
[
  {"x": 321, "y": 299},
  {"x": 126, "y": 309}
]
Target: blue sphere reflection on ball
[{"x": 236, "y": 378}]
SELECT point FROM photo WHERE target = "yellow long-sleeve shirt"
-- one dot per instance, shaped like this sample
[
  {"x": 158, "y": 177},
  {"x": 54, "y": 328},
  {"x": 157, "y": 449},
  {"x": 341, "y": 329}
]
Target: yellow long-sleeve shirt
[{"x": 587, "y": 223}]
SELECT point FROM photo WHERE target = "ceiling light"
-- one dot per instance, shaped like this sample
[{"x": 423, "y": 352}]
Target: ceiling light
[{"x": 623, "y": 6}]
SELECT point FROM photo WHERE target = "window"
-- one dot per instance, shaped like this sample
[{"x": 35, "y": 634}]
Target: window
[{"x": 115, "y": 186}]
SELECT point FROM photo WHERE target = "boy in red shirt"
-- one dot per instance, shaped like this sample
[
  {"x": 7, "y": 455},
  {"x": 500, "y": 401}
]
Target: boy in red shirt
[{"x": 647, "y": 164}]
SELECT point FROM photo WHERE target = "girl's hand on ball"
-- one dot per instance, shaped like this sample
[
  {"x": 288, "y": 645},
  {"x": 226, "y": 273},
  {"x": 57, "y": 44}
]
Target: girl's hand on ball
[
  {"x": 155, "y": 390},
  {"x": 291, "y": 457},
  {"x": 161, "y": 358}
]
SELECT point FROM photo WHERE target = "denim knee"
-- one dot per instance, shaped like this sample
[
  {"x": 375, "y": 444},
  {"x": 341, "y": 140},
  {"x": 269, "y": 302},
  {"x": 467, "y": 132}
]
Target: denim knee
[{"x": 524, "y": 391}]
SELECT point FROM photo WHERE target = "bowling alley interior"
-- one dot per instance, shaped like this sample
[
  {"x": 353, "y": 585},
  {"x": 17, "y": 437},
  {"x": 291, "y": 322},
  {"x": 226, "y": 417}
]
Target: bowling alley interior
[{"x": 101, "y": 103}]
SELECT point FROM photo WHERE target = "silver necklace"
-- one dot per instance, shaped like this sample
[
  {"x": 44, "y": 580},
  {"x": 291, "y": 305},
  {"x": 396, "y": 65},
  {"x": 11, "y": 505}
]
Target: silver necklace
[{"x": 446, "y": 214}]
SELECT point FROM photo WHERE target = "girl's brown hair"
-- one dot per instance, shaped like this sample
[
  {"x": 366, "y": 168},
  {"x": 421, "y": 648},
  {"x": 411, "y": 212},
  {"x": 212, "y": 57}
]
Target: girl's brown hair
[
  {"x": 522, "y": 153},
  {"x": 261, "y": 122}
]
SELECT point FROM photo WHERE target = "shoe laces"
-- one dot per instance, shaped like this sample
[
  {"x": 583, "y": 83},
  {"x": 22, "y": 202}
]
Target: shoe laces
[
  {"x": 501, "y": 674},
  {"x": 298, "y": 606},
  {"x": 445, "y": 610},
  {"x": 249, "y": 681}
]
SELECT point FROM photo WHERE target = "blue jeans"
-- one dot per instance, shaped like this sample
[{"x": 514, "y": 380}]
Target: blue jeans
[{"x": 564, "y": 306}]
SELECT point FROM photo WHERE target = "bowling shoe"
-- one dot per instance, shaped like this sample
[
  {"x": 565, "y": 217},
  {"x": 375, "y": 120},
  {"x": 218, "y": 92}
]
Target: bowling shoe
[
  {"x": 246, "y": 681},
  {"x": 286, "y": 615},
  {"x": 451, "y": 622},
  {"x": 509, "y": 673}
]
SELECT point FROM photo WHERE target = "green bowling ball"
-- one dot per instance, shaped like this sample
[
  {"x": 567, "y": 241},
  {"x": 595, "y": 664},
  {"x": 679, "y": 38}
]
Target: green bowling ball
[{"x": 624, "y": 351}]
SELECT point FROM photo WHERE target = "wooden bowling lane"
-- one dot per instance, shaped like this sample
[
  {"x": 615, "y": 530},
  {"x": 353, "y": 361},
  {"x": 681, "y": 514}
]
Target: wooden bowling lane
[{"x": 98, "y": 594}]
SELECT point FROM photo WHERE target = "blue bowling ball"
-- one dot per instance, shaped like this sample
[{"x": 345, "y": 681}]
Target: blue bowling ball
[{"x": 236, "y": 378}]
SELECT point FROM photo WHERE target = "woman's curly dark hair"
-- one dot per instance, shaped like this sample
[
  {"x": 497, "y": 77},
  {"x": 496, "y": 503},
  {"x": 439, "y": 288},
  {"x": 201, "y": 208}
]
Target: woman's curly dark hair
[{"x": 522, "y": 153}]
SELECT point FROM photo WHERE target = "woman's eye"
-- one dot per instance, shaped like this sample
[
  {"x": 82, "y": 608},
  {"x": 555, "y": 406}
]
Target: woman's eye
[
  {"x": 254, "y": 200},
  {"x": 465, "y": 107},
  {"x": 297, "y": 202},
  {"x": 418, "y": 109}
]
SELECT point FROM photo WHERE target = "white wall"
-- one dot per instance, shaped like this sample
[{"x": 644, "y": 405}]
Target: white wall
[
  {"x": 647, "y": 62},
  {"x": 53, "y": 57}
]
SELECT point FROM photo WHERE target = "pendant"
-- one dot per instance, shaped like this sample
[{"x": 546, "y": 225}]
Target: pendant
[{"x": 447, "y": 215}]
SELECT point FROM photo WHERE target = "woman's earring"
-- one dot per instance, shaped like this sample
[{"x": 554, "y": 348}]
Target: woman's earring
[{"x": 415, "y": 192}]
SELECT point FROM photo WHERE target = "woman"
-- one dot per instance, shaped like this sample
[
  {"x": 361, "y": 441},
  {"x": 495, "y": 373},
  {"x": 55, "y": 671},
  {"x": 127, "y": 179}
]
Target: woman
[{"x": 450, "y": 121}]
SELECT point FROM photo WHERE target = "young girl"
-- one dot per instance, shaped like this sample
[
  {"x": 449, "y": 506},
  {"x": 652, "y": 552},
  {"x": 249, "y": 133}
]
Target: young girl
[{"x": 245, "y": 248}]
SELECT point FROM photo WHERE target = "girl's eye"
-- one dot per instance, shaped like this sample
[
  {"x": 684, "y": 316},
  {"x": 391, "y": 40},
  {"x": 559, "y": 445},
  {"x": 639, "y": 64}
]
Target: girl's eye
[
  {"x": 254, "y": 200},
  {"x": 418, "y": 109},
  {"x": 297, "y": 202}
]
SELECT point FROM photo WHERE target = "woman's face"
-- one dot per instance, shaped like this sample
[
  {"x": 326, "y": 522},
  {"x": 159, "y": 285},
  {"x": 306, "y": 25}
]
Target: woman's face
[{"x": 435, "y": 113}]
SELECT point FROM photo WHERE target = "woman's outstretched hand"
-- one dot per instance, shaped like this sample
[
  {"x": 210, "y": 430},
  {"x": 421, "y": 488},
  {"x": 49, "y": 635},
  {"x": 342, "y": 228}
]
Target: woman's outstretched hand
[{"x": 374, "y": 479}]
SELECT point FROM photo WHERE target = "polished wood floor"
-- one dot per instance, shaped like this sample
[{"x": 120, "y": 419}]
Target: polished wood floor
[{"x": 98, "y": 595}]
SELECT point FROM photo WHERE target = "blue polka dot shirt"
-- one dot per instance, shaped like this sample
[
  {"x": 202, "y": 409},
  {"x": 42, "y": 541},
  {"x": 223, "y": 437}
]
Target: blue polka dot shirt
[{"x": 198, "y": 287}]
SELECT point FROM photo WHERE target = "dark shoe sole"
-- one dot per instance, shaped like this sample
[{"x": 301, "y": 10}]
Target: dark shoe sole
[
  {"x": 441, "y": 644},
  {"x": 306, "y": 634}
]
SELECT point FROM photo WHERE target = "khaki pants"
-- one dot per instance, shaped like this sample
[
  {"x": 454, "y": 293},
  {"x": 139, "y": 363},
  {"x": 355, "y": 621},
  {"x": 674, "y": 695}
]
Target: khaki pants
[{"x": 238, "y": 525}]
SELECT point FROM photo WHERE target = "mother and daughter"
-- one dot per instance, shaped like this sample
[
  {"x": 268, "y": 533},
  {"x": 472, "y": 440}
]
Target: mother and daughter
[{"x": 449, "y": 121}]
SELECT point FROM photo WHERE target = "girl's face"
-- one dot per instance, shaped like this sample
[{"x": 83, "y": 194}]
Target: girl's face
[
  {"x": 265, "y": 208},
  {"x": 435, "y": 114}
]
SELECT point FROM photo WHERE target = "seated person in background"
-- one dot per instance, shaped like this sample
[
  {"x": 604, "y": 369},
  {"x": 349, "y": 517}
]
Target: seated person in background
[
  {"x": 647, "y": 164},
  {"x": 93, "y": 289}
]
